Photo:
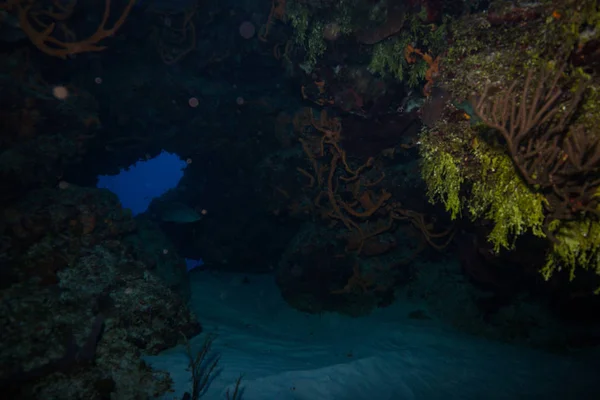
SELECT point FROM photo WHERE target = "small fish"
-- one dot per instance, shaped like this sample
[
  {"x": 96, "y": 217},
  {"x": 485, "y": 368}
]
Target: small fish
[{"x": 178, "y": 213}]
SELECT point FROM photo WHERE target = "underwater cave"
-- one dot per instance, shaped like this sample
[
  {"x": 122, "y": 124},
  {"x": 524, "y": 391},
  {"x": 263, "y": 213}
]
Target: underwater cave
[{"x": 299, "y": 199}]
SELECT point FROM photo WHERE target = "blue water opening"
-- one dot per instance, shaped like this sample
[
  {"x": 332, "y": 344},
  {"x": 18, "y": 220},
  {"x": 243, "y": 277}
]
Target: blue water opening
[{"x": 143, "y": 181}]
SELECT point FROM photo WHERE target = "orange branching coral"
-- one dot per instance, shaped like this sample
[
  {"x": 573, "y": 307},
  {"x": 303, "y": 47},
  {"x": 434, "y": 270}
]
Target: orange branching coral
[
  {"x": 287, "y": 50},
  {"x": 357, "y": 239},
  {"x": 331, "y": 128},
  {"x": 277, "y": 12},
  {"x": 317, "y": 93},
  {"x": 39, "y": 24},
  {"x": 418, "y": 220},
  {"x": 345, "y": 193},
  {"x": 409, "y": 54},
  {"x": 338, "y": 170},
  {"x": 176, "y": 37},
  {"x": 432, "y": 71}
]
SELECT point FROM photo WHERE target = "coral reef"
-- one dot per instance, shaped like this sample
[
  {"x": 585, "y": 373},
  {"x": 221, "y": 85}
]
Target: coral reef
[
  {"x": 314, "y": 132},
  {"x": 534, "y": 141},
  {"x": 73, "y": 294}
]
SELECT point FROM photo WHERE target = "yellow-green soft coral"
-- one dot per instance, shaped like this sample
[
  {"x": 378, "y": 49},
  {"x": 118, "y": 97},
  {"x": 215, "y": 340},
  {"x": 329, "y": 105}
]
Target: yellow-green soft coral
[
  {"x": 482, "y": 55},
  {"x": 500, "y": 195},
  {"x": 299, "y": 17},
  {"x": 440, "y": 148},
  {"x": 388, "y": 57},
  {"x": 308, "y": 33},
  {"x": 458, "y": 160},
  {"x": 497, "y": 193},
  {"x": 443, "y": 178},
  {"x": 578, "y": 245},
  {"x": 310, "y": 23},
  {"x": 315, "y": 45}
]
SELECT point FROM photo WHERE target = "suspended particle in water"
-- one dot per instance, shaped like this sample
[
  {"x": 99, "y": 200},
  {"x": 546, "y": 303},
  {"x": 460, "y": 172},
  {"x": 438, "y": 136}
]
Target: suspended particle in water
[
  {"x": 247, "y": 30},
  {"x": 60, "y": 92}
]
